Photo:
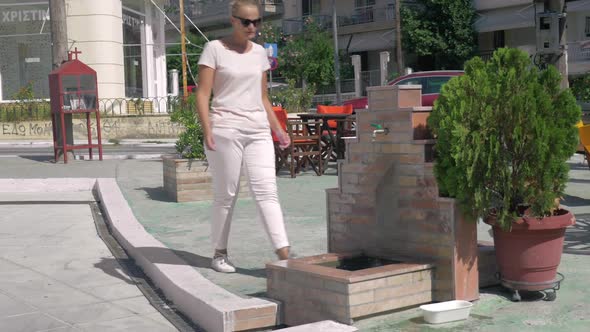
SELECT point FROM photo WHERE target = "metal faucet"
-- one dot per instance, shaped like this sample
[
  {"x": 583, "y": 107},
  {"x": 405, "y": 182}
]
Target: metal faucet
[{"x": 379, "y": 130}]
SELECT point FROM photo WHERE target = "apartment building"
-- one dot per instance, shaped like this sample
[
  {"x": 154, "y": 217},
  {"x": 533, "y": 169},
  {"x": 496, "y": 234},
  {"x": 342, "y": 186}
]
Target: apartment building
[
  {"x": 123, "y": 40},
  {"x": 365, "y": 27},
  {"x": 511, "y": 23}
]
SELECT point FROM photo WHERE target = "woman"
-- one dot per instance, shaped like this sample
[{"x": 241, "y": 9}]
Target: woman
[{"x": 237, "y": 130}]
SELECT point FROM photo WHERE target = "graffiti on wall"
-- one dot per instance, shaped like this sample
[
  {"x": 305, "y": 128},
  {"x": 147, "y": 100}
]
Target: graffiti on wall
[
  {"x": 24, "y": 129},
  {"x": 111, "y": 128}
]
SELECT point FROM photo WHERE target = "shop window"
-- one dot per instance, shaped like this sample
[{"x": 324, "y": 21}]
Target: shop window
[
  {"x": 132, "y": 51},
  {"x": 310, "y": 7},
  {"x": 587, "y": 27}
]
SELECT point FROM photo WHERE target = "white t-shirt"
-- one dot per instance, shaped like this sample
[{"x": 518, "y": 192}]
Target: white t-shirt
[{"x": 237, "y": 86}]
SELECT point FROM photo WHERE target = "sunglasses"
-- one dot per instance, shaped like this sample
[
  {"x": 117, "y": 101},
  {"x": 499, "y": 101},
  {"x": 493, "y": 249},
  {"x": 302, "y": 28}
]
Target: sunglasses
[{"x": 246, "y": 22}]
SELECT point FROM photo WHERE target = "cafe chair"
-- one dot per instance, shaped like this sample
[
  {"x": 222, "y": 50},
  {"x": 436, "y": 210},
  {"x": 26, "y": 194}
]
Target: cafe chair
[
  {"x": 281, "y": 156},
  {"x": 306, "y": 146},
  {"x": 344, "y": 109},
  {"x": 336, "y": 129}
]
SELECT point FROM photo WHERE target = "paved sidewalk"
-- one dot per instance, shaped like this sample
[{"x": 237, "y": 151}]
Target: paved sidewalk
[
  {"x": 56, "y": 274},
  {"x": 184, "y": 227}
]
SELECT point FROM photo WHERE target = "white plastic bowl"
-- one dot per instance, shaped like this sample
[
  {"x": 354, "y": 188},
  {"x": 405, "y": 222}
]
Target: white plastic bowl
[{"x": 448, "y": 311}]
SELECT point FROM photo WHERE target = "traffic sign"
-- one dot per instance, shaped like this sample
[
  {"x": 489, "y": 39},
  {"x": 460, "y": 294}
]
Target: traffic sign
[
  {"x": 274, "y": 63},
  {"x": 272, "y": 49}
]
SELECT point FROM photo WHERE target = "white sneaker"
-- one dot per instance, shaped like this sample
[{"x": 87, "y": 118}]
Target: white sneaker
[{"x": 222, "y": 264}]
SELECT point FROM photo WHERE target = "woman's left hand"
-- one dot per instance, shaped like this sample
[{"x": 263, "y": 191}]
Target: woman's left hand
[{"x": 284, "y": 139}]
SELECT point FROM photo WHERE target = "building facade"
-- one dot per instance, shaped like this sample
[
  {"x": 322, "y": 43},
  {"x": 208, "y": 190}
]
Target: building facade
[
  {"x": 123, "y": 40},
  {"x": 511, "y": 23},
  {"x": 366, "y": 27}
]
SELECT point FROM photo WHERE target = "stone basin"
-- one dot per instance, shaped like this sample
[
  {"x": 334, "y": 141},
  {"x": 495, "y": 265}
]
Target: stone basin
[{"x": 343, "y": 287}]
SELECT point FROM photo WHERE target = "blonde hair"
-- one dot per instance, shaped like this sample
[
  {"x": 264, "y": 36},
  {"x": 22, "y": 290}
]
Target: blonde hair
[{"x": 235, "y": 5}]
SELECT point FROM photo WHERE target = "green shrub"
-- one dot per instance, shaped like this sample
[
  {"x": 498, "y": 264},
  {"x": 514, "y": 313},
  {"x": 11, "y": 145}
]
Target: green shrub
[
  {"x": 581, "y": 87},
  {"x": 190, "y": 141},
  {"x": 294, "y": 99},
  {"x": 504, "y": 133}
]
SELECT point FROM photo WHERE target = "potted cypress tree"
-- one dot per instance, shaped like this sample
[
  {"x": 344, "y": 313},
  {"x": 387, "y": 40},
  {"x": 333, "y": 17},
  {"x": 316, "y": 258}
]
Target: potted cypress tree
[{"x": 504, "y": 132}]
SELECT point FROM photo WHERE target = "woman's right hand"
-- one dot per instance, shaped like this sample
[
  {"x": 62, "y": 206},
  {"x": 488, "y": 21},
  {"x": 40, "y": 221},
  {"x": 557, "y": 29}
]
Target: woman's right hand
[{"x": 209, "y": 142}]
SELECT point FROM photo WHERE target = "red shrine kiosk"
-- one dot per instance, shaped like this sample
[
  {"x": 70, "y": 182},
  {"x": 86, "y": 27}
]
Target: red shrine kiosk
[{"x": 73, "y": 90}]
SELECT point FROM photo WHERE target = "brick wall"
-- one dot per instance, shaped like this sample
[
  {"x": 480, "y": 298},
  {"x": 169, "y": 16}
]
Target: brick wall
[{"x": 387, "y": 202}]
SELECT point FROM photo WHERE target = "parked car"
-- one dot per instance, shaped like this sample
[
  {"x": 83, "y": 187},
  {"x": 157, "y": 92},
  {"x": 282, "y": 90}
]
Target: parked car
[{"x": 431, "y": 81}]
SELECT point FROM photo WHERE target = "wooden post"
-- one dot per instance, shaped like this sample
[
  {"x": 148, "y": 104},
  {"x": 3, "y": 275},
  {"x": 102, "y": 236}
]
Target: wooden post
[
  {"x": 183, "y": 50},
  {"x": 398, "y": 39}
]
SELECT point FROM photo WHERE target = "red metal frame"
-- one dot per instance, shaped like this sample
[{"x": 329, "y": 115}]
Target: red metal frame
[{"x": 75, "y": 68}]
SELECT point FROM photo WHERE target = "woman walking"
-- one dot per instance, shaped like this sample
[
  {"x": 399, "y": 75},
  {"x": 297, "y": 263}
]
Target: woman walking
[{"x": 237, "y": 130}]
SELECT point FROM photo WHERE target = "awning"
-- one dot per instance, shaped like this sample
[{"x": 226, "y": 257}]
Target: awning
[
  {"x": 506, "y": 18},
  {"x": 368, "y": 41}
]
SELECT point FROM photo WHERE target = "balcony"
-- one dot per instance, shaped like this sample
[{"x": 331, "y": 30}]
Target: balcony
[
  {"x": 578, "y": 57},
  {"x": 360, "y": 16},
  {"x": 216, "y": 12},
  {"x": 292, "y": 26},
  {"x": 368, "y": 14}
]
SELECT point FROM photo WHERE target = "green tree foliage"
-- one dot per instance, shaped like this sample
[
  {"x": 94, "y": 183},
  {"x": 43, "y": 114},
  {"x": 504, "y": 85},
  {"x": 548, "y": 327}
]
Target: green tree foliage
[
  {"x": 581, "y": 87},
  {"x": 193, "y": 51},
  {"x": 190, "y": 141},
  {"x": 441, "y": 30},
  {"x": 308, "y": 56},
  {"x": 504, "y": 133},
  {"x": 292, "y": 98}
]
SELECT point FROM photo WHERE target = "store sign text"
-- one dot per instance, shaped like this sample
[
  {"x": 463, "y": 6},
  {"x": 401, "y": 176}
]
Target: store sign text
[
  {"x": 24, "y": 15},
  {"x": 131, "y": 21}
]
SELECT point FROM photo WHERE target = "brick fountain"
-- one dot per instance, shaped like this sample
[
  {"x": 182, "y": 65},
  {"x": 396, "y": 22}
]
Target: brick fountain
[{"x": 393, "y": 242}]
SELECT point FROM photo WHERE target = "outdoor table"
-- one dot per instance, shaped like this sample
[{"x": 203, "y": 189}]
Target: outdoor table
[{"x": 336, "y": 141}]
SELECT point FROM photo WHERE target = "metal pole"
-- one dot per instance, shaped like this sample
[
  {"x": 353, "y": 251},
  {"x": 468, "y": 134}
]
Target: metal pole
[
  {"x": 336, "y": 57},
  {"x": 398, "y": 39},
  {"x": 183, "y": 50}
]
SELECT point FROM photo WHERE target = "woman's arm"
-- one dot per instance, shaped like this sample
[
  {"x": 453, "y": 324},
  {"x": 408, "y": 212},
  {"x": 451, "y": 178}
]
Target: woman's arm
[
  {"x": 206, "y": 76},
  {"x": 275, "y": 125}
]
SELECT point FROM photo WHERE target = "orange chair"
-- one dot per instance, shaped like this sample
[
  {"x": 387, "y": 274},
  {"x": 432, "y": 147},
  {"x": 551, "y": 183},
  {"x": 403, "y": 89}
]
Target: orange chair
[
  {"x": 345, "y": 109},
  {"x": 280, "y": 155}
]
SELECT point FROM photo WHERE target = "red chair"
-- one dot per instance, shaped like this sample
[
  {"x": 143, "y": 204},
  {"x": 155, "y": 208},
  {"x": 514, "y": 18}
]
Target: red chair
[
  {"x": 280, "y": 155},
  {"x": 345, "y": 109}
]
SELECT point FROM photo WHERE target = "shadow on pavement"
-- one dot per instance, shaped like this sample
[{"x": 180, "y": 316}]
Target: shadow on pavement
[
  {"x": 43, "y": 159},
  {"x": 205, "y": 262},
  {"x": 577, "y": 237},
  {"x": 156, "y": 194},
  {"x": 163, "y": 256},
  {"x": 526, "y": 296},
  {"x": 575, "y": 200},
  {"x": 112, "y": 267}
]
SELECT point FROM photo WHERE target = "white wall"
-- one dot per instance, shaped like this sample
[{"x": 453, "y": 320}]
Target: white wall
[{"x": 95, "y": 28}]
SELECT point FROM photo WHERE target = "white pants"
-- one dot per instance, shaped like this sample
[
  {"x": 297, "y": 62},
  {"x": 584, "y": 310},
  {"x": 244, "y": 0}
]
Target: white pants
[{"x": 254, "y": 149}]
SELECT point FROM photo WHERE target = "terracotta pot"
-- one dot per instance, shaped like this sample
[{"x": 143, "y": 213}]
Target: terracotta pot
[{"x": 529, "y": 254}]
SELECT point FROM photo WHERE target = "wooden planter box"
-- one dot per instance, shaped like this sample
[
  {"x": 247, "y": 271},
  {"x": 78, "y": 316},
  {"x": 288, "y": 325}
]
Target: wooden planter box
[{"x": 187, "y": 180}]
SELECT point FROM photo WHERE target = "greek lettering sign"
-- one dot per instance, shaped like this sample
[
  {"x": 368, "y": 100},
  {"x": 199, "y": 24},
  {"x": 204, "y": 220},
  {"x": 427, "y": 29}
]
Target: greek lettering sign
[{"x": 24, "y": 15}]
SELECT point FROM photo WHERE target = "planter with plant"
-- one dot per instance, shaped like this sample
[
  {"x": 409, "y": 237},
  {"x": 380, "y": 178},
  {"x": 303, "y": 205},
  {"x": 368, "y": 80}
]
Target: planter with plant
[
  {"x": 505, "y": 131},
  {"x": 185, "y": 174}
]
